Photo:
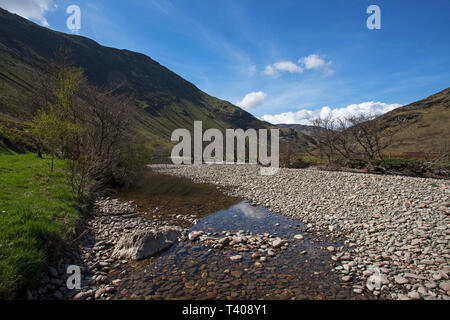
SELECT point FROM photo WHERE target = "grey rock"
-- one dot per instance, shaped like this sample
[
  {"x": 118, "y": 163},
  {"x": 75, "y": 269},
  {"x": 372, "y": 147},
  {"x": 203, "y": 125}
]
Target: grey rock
[
  {"x": 400, "y": 280},
  {"x": 143, "y": 244},
  {"x": 236, "y": 257}
]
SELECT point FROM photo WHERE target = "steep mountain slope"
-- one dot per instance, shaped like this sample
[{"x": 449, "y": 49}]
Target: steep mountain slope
[
  {"x": 165, "y": 100},
  {"x": 424, "y": 125}
]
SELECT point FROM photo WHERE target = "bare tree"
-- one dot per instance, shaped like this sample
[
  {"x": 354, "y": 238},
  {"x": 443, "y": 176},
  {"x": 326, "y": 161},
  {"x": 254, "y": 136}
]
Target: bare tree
[
  {"x": 324, "y": 133},
  {"x": 371, "y": 138},
  {"x": 107, "y": 151},
  {"x": 343, "y": 141}
]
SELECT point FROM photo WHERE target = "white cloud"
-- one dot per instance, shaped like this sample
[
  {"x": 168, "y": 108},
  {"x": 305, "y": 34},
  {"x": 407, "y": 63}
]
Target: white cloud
[
  {"x": 252, "y": 100},
  {"x": 305, "y": 116},
  {"x": 270, "y": 71},
  {"x": 287, "y": 66},
  {"x": 313, "y": 61},
  {"x": 29, "y": 9}
]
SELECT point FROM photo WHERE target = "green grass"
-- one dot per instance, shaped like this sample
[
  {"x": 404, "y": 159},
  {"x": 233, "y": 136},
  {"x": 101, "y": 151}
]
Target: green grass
[{"x": 37, "y": 215}]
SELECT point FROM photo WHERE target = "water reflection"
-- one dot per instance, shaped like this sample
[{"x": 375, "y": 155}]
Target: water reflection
[{"x": 196, "y": 271}]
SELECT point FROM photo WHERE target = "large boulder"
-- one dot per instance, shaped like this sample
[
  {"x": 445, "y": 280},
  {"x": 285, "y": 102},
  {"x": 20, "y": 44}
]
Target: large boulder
[{"x": 145, "y": 243}]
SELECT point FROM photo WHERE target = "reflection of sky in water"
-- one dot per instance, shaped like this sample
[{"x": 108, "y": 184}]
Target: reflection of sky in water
[
  {"x": 244, "y": 216},
  {"x": 250, "y": 211},
  {"x": 187, "y": 270}
]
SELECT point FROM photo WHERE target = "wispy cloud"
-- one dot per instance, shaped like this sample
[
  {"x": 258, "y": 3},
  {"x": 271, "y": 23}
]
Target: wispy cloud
[
  {"x": 30, "y": 9},
  {"x": 305, "y": 116}
]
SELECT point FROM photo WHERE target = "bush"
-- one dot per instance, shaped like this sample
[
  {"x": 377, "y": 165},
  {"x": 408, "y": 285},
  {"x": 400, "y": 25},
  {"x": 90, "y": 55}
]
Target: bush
[{"x": 296, "y": 163}]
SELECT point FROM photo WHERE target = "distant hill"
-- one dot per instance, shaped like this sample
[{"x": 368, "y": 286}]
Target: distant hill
[
  {"x": 425, "y": 125},
  {"x": 308, "y": 130},
  {"x": 165, "y": 100}
]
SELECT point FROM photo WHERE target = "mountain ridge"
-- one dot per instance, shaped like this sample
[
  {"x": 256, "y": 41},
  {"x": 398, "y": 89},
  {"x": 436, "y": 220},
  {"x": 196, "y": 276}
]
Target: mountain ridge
[
  {"x": 165, "y": 101},
  {"x": 424, "y": 125}
]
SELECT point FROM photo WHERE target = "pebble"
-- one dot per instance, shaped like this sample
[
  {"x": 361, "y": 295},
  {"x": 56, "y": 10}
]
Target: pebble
[{"x": 400, "y": 280}]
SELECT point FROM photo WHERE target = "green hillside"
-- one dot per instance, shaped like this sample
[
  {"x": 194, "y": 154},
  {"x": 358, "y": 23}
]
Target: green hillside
[
  {"x": 165, "y": 100},
  {"x": 424, "y": 125}
]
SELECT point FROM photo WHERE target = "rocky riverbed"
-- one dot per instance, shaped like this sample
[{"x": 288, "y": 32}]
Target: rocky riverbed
[
  {"x": 396, "y": 228},
  {"x": 112, "y": 239},
  {"x": 241, "y": 252}
]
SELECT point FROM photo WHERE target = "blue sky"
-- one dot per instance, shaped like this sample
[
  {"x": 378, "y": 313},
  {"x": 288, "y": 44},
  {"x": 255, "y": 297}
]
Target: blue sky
[{"x": 283, "y": 61}]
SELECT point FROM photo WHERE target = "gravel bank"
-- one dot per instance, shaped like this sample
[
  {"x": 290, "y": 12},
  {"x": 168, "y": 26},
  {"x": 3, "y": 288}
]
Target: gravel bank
[
  {"x": 93, "y": 252},
  {"x": 396, "y": 229}
]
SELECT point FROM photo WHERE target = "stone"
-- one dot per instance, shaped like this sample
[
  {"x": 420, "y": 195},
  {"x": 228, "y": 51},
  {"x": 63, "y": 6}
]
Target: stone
[
  {"x": 400, "y": 280},
  {"x": 236, "y": 257},
  {"x": 236, "y": 273},
  {"x": 194, "y": 235},
  {"x": 116, "y": 282},
  {"x": 224, "y": 240},
  {"x": 83, "y": 295},
  {"x": 143, "y": 244},
  {"x": 255, "y": 255},
  {"x": 110, "y": 289},
  {"x": 414, "y": 295},
  {"x": 277, "y": 243},
  {"x": 445, "y": 285},
  {"x": 298, "y": 237},
  {"x": 414, "y": 276},
  {"x": 346, "y": 278},
  {"x": 237, "y": 240},
  {"x": 99, "y": 293}
]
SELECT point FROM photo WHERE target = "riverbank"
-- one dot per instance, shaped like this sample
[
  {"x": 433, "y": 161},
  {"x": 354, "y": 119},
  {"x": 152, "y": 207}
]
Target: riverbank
[
  {"x": 143, "y": 249},
  {"x": 38, "y": 215},
  {"x": 396, "y": 229},
  {"x": 95, "y": 251},
  {"x": 127, "y": 232}
]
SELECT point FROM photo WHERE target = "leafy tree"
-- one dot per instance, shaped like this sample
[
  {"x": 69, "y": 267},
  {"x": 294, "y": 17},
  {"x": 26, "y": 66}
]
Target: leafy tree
[
  {"x": 56, "y": 125},
  {"x": 94, "y": 129}
]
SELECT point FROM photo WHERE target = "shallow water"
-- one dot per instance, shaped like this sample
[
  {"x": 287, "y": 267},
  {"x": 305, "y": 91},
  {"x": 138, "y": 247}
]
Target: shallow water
[
  {"x": 162, "y": 197},
  {"x": 193, "y": 270}
]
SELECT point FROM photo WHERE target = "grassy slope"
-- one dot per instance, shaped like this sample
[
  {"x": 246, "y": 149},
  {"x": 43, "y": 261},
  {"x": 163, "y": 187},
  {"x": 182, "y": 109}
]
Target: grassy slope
[
  {"x": 37, "y": 214},
  {"x": 425, "y": 124},
  {"x": 165, "y": 101}
]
